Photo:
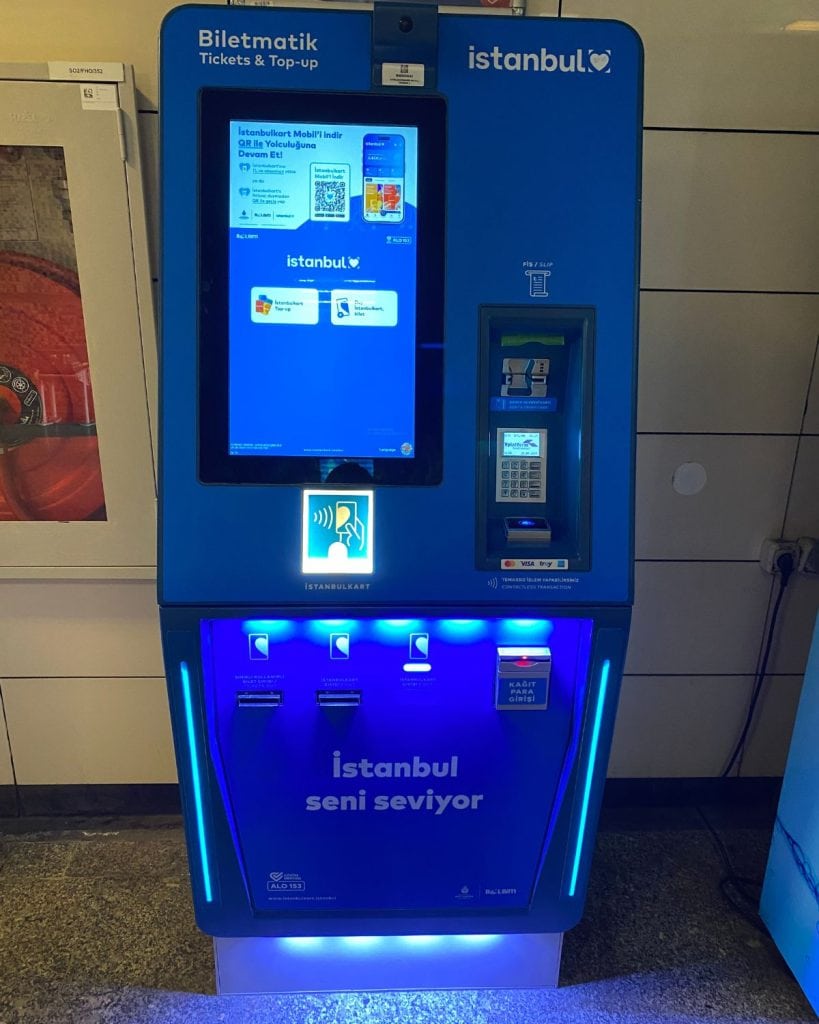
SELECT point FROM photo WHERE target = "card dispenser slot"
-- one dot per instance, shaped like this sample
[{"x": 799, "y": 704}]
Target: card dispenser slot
[
  {"x": 260, "y": 699},
  {"x": 338, "y": 698}
]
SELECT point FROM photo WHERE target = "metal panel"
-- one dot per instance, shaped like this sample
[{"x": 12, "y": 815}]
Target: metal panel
[{"x": 77, "y": 299}]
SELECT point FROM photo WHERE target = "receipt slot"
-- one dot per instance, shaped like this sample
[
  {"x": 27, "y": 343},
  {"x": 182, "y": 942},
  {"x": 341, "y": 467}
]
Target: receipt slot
[{"x": 397, "y": 471}]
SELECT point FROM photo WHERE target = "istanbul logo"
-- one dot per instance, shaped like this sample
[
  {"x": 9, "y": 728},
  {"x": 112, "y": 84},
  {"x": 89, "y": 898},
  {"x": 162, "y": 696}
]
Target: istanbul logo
[
  {"x": 580, "y": 61},
  {"x": 324, "y": 262}
]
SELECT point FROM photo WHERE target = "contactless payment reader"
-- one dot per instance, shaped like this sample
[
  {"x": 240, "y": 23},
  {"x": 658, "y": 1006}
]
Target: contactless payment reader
[{"x": 398, "y": 345}]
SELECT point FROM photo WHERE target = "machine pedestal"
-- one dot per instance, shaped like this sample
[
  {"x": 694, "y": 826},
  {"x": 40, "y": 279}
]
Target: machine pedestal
[{"x": 359, "y": 963}]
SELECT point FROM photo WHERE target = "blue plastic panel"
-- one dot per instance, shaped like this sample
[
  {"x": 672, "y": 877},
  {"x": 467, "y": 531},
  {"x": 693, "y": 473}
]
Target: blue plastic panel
[
  {"x": 246, "y": 772},
  {"x": 543, "y": 174},
  {"x": 790, "y": 897},
  {"x": 432, "y": 797}
]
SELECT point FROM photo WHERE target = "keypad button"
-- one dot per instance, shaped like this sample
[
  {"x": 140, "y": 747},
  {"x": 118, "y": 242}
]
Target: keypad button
[
  {"x": 514, "y": 474},
  {"x": 514, "y": 494},
  {"x": 515, "y": 464},
  {"x": 505, "y": 492},
  {"x": 505, "y": 475},
  {"x": 505, "y": 464}
]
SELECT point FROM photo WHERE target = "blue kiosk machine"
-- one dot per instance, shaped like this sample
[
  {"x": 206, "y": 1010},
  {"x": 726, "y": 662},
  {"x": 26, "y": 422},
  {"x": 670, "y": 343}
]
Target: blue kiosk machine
[{"x": 399, "y": 287}]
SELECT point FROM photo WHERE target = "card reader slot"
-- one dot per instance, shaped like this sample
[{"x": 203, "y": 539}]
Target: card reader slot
[
  {"x": 260, "y": 699},
  {"x": 338, "y": 698}
]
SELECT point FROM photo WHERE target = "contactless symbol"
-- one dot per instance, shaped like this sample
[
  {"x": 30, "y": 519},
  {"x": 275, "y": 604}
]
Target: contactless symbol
[
  {"x": 258, "y": 646},
  {"x": 339, "y": 646},
  {"x": 419, "y": 646},
  {"x": 337, "y": 532}
]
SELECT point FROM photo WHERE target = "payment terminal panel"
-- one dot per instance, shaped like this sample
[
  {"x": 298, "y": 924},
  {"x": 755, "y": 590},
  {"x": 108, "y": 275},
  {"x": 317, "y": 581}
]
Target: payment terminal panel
[
  {"x": 535, "y": 407},
  {"x": 399, "y": 284}
]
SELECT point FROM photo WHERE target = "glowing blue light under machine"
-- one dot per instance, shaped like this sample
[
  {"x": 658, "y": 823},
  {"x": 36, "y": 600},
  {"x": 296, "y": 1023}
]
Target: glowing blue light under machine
[{"x": 397, "y": 469}]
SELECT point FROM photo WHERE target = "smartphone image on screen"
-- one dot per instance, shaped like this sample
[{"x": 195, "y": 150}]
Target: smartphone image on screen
[{"x": 383, "y": 167}]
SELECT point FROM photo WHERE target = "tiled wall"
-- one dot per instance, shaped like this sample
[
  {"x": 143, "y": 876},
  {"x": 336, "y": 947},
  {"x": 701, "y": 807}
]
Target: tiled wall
[{"x": 730, "y": 315}]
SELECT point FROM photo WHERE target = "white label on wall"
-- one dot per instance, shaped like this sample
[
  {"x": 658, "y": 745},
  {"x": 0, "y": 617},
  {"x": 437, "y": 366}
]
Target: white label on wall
[
  {"x": 402, "y": 74},
  {"x": 99, "y": 97},
  {"x": 86, "y": 71}
]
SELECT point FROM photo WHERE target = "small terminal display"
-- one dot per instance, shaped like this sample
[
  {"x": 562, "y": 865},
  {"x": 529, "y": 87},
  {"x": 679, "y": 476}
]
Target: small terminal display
[{"x": 521, "y": 444}]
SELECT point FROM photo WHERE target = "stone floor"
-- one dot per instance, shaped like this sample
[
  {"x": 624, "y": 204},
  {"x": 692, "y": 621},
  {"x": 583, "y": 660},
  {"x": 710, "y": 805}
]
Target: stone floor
[{"x": 96, "y": 925}]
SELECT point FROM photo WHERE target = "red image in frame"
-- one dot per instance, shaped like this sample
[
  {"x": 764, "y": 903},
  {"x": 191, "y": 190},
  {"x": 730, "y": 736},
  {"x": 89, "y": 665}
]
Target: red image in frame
[{"x": 49, "y": 455}]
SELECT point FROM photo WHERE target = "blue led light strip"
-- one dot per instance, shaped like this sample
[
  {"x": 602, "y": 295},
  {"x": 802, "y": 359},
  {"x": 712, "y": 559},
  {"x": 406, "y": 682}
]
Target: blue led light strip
[
  {"x": 595, "y": 741},
  {"x": 197, "y": 784}
]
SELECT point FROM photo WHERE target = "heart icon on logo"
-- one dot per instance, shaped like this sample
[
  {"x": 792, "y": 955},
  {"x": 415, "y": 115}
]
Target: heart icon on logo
[
  {"x": 354, "y": 261},
  {"x": 599, "y": 61}
]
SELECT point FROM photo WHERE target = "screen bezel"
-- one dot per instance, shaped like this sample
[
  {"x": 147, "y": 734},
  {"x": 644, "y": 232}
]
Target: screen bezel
[{"x": 217, "y": 108}]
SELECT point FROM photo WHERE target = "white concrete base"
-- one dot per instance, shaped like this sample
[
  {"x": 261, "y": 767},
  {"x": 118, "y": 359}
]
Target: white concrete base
[{"x": 371, "y": 963}]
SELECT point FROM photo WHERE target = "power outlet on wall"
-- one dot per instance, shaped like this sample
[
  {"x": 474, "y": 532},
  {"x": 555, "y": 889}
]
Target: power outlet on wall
[
  {"x": 808, "y": 555},
  {"x": 772, "y": 549}
]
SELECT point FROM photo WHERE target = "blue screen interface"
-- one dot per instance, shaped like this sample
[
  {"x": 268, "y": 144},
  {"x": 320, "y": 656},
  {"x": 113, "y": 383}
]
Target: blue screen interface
[{"x": 322, "y": 283}]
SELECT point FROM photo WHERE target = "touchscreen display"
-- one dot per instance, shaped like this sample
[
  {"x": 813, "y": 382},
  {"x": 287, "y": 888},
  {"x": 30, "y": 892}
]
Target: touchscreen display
[
  {"x": 521, "y": 444},
  {"x": 322, "y": 282}
]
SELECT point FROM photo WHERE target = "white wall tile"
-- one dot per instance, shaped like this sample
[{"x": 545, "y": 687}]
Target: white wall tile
[
  {"x": 811, "y": 424},
  {"x": 99, "y": 628},
  {"x": 69, "y": 731},
  {"x": 89, "y": 30},
  {"x": 6, "y": 772},
  {"x": 700, "y": 618},
  {"x": 797, "y": 619},
  {"x": 677, "y": 726},
  {"x": 149, "y": 147},
  {"x": 770, "y": 737},
  {"x": 730, "y": 212},
  {"x": 542, "y": 8},
  {"x": 725, "y": 363},
  {"x": 742, "y": 502},
  {"x": 803, "y": 506},
  {"x": 731, "y": 64}
]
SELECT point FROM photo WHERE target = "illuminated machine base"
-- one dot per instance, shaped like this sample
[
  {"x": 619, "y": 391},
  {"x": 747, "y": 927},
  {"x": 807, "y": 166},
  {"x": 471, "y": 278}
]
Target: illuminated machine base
[{"x": 367, "y": 963}]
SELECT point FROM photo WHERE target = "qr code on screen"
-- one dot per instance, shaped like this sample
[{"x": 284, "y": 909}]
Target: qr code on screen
[{"x": 329, "y": 198}]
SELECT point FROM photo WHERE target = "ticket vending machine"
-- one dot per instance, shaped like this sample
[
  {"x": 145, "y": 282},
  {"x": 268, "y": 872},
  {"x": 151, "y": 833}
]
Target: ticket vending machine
[{"x": 399, "y": 290}]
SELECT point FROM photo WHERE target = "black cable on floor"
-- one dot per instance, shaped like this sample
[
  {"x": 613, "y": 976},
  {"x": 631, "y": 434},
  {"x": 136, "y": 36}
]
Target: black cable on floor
[
  {"x": 785, "y": 566},
  {"x": 736, "y": 888}
]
